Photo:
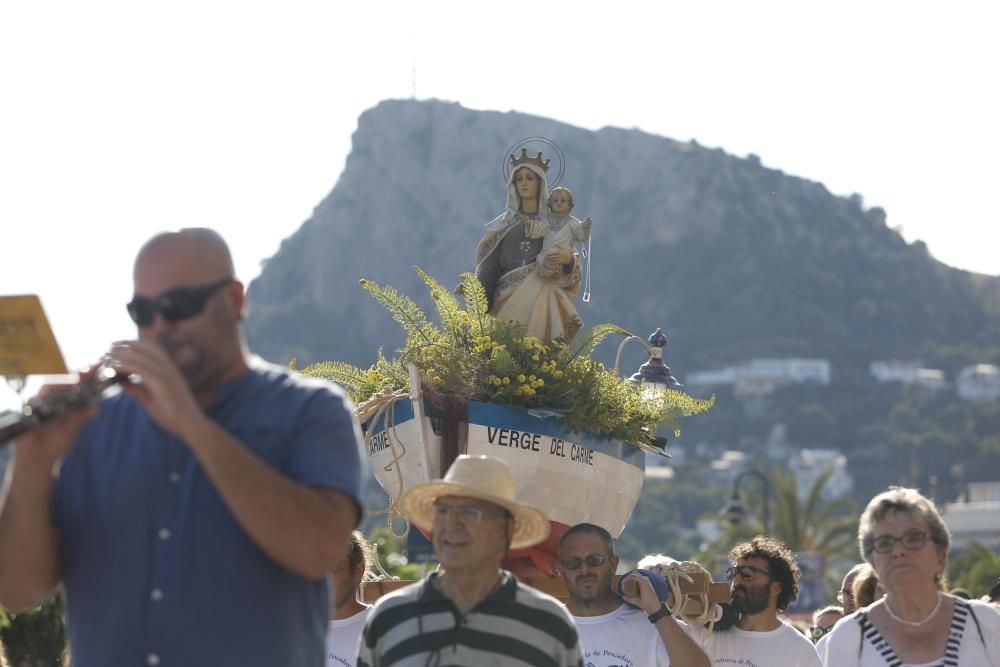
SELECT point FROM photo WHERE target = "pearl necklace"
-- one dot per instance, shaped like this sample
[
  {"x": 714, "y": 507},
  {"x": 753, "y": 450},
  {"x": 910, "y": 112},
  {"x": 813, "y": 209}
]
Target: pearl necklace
[{"x": 914, "y": 624}]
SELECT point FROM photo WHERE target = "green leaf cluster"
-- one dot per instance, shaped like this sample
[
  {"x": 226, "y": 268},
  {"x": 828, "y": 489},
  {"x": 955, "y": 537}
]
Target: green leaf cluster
[
  {"x": 36, "y": 637},
  {"x": 974, "y": 569},
  {"x": 471, "y": 354}
]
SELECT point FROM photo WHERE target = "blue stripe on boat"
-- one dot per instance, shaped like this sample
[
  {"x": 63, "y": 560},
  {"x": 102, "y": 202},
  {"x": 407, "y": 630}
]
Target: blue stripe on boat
[{"x": 493, "y": 415}]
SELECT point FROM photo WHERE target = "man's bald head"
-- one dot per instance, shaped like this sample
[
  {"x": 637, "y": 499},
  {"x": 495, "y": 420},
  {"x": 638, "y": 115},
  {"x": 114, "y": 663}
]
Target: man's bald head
[
  {"x": 188, "y": 278},
  {"x": 846, "y": 594},
  {"x": 203, "y": 249}
]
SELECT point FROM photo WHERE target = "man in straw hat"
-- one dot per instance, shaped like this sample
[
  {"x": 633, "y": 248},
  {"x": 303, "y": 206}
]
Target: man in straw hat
[{"x": 471, "y": 612}]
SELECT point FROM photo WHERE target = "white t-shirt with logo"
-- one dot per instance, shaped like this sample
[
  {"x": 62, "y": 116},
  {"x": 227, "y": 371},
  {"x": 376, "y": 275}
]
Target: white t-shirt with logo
[
  {"x": 343, "y": 638},
  {"x": 622, "y": 638},
  {"x": 783, "y": 647}
]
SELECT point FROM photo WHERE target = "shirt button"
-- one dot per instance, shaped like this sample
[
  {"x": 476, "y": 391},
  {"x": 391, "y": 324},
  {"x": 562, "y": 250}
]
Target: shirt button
[
  {"x": 156, "y": 595},
  {"x": 164, "y": 534},
  {"x": 175, "y": 477},
  {"x": 152, "y": 659}
]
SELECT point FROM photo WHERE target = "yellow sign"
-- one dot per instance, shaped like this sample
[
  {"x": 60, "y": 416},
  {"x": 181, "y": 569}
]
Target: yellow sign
[{"x": 27, "y": 345}]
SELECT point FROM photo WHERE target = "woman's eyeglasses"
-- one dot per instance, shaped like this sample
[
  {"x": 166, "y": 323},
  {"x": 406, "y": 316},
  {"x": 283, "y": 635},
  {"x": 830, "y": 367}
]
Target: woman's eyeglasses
[
  {"x": 817, "y": 631},
  {"x": 911, "y": 539},
  {"x": 174, "y": 305},
  {"x": 745, "y": 571},
  {"x": 592, "y": 560}
]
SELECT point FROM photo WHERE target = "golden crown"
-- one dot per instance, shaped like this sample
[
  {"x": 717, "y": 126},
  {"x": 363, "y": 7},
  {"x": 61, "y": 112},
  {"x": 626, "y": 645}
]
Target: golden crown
[{"x": 516, "y": 162}]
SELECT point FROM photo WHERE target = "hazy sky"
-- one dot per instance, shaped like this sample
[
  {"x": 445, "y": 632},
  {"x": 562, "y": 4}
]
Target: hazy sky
[{"x": 119, "y": 119}]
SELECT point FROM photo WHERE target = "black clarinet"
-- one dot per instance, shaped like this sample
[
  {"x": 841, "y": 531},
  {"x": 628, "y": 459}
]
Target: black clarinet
[{"x": 58, "y": 404}]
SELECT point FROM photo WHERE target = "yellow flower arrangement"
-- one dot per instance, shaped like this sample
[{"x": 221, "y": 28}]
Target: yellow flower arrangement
[{"x": 473, "y": 355}]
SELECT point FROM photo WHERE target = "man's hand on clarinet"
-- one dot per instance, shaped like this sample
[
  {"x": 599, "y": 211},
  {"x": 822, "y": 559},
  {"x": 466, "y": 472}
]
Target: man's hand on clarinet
[
  {"x": 48, "y": 444},
  {"x": 163, "y": 391}
]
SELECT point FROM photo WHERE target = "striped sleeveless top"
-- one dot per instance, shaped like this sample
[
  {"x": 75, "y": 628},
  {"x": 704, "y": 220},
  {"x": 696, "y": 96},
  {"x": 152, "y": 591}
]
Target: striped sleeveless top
[{"x": 959, "y": 619}]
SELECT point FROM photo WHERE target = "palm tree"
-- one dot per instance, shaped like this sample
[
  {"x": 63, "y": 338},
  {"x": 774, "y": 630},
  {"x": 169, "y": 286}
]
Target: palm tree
[
  {"x": 809, "y": 525},
  {"x": 829, "y": 528},
  {"x": 975, "y": 569}
]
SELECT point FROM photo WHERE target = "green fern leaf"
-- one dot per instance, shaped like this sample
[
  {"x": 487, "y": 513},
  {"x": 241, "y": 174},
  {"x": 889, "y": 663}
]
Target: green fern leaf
[
  {"x": 447, "y": 305},
  {"x": 403, "y": 310},
  {"x": 349, "y": 377},
  {"x": 477, "y": 304},
  {"x": 585, "y": 344}
]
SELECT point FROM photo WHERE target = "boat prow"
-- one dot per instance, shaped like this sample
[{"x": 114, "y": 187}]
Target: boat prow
[{"x": 573, "y": 478}]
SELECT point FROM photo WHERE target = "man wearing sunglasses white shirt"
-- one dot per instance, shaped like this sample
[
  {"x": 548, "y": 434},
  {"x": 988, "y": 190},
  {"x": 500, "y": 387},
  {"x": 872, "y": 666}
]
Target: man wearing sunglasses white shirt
[
  {"x": 195, "y": 515},
  {"x": 612, "y": 632},
  {"x": 765, "y": 580}
]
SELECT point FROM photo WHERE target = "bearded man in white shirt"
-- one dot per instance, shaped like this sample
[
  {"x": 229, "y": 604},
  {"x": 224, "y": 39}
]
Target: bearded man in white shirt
[{"x": 765, "y": 580}]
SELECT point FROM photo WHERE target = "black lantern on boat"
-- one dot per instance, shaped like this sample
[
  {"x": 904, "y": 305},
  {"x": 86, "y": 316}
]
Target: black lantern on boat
[{"x": 654, "y": 376}]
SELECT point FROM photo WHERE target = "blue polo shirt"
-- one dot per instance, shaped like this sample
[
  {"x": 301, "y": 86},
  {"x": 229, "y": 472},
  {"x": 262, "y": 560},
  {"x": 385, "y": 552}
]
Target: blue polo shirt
[{"x": 156, "y": 569}]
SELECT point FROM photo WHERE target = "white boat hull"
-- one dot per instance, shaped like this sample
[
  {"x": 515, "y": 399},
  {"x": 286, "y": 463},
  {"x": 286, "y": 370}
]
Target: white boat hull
[{"x": 574, "y": 478}]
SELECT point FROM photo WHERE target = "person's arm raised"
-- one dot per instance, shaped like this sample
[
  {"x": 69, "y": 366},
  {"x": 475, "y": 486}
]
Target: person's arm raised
[
  {"x": 681, "y": 648},
  {"x": 303, "y": 528},
  {"x": 29, "y": 543}
]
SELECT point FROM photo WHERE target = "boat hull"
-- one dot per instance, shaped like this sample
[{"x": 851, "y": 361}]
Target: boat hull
[{"x": 573, "y": 478}]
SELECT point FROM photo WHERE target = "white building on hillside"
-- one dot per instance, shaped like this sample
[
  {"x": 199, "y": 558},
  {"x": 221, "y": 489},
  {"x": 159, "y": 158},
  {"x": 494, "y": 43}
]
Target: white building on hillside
[
  {"x": 725, "y": 468},
  {"x": 759, "y": 377},
  {"x": 977, "y": 520},
  {"x": 809, "y": 464},
  {"x": 931, "y": 378},
  {"x": 712, "y": 378},
  {"x": 984, "y": 492},
  {"x": 895, "y": 370},
  {"x": 908, "y": 372},
  {"x": 979, "y": 383}
]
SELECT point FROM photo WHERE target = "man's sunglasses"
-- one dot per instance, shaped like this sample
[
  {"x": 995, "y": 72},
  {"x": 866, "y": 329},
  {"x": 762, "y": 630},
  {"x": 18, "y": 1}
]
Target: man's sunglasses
[
  {"x": 174, "y": 305},
  {"x": 592, "y": 560}
]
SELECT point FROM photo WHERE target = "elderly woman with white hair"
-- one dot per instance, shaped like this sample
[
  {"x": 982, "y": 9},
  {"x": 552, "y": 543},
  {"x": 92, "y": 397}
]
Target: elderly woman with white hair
[{"x": 903, "y": 537}]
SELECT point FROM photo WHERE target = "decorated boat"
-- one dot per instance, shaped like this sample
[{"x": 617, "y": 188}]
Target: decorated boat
[
  {"x": 573, "y": 477},
  {"x": 507, "y": 372}
]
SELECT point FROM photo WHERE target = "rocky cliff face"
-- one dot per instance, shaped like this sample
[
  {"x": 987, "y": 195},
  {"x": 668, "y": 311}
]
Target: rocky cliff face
[{"x": 733, "y": 259}]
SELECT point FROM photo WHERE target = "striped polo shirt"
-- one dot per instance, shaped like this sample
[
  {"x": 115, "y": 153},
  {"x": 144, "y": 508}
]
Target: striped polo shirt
[{"x": 514, "y": 626}]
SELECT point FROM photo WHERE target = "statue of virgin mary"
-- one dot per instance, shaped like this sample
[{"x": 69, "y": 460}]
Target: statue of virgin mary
[{"x": 523, "y": 282}]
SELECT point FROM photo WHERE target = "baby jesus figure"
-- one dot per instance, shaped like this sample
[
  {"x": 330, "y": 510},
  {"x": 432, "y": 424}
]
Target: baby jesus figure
[{"x": 564, "y": 229}]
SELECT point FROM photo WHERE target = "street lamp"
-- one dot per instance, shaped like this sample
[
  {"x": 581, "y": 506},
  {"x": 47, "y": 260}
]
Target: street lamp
[
  {"x": 736, "y": 511},
  {"x": 653, "y": 377}
]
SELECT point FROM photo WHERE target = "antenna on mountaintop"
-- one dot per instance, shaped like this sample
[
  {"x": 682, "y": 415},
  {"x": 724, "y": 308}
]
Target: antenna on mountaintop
[{"x": 413, "y": 79}]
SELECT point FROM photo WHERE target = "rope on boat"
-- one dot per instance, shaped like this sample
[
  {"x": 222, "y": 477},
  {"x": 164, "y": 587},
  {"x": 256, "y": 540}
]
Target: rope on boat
[
  {"x": 684, "y": 604},
  {"x": 382, "y": 406},
  {"x": 380, "y": 574}
]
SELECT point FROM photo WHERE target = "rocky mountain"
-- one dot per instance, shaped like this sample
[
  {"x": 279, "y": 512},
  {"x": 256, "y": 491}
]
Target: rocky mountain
[{"x": 734, "y": 259}]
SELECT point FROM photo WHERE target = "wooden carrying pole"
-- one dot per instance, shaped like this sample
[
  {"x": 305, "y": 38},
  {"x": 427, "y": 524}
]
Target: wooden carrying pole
[{"x": 556, "y": 587}]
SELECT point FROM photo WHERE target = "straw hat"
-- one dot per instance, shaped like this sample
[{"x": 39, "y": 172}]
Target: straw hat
[{"x": 482, "y": 477}]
